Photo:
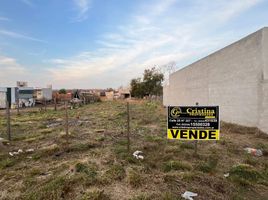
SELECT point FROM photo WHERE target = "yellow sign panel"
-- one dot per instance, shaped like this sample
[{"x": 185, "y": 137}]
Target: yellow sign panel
[
  {"x": 193, "y": 123},
  {"x": 191, "y": 134}
]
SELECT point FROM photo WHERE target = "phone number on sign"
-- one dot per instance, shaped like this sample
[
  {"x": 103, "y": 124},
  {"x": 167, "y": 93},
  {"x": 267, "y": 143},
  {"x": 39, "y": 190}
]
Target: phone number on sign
[{"x": 199, "y": 124}]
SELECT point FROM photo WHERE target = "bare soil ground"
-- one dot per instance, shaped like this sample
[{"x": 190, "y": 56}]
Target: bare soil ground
[{"x": 93, "y": 162}]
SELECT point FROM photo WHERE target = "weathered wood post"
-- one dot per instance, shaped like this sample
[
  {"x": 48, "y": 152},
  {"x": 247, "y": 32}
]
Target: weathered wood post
[
  {"x": 66, "y": 121},
  {"x": 45, "y": 102},
  {"x": 18, "y": 107},
  {"x": 8, "y": 120},
  {"x": 128, "y": 128},
  {"x": 55, "y": 103}
]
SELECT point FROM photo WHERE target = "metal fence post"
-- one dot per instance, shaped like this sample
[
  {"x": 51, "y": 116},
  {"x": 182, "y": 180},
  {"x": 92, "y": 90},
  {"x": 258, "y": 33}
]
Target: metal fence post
[
  {"x": 8, "y": 120},
  {"x": 55, "y": 104},
  {"x": 128, "y": 128},
  {"x": 66, "y": 120}
]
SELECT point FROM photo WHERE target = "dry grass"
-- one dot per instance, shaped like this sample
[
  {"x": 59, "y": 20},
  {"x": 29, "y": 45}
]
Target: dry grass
[{"x": 94, "y": 163}]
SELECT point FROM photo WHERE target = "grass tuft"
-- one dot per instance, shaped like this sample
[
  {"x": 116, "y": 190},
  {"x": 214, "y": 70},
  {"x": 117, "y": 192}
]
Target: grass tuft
[
  {"x": 5, "y": 163},
  {"x": 244, "y": 174},
  {"x": 95, "y": 194},
  {"x": 115, "y": 172},
  {"x": 176, "y": 165},
  {"x": 134, "y": 178},
  {"x": 90, "y": 171},
  {"x": 210, "y": 165},
  {"x": 141, "y": 197}
]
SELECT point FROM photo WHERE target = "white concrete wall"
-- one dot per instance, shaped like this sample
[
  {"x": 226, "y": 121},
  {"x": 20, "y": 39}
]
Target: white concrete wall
[
  {"x": 47, "y": 93},
  {"x": 232, "y": 78},
  {"x": 263, "y": 122},
  {"x": 2, "y": 99}
]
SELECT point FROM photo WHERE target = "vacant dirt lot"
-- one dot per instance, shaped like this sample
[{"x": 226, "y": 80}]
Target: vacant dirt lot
[{"x": 93, "y": 162}]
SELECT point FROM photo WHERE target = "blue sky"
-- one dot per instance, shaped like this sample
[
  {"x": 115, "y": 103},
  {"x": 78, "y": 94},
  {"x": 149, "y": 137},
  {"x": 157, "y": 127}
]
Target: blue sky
[{"x": 105, "y": 43}]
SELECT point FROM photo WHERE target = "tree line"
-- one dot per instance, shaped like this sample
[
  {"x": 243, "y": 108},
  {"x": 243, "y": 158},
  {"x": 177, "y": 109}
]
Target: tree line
[{"x": 150, "y": 84}]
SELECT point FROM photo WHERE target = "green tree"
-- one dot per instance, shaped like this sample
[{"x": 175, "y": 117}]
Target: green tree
[
  {"x": 137, "y": 89},
  {"x": 151, "y": 84},
  {"x": 62, "y": 91},
  {"x": 152, "y": 79}
]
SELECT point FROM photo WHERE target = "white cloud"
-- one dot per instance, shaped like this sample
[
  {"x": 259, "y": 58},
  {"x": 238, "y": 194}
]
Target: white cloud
[
  {"x": 82, "y": 6},
  {"x": 154, "y": 38},
  {"x": 10, "y": 71},
  {"x": 19, "y": 36}
]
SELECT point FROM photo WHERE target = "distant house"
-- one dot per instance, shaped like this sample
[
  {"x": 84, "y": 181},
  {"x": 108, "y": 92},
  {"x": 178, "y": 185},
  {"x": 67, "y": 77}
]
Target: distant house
[
  {"x": 62, "y": 97},
  {"x": 88, "y": 96},
  {"x": 26, "y": 97},
  {"x": 43, "y": 94},
  {"x": 9, "y": 94},
  {"x": 109, "y": 95},
  {"x": 15, "y": 96},
  {"x": 124, "y": 93},
  {"x": 12, "y": 96}
]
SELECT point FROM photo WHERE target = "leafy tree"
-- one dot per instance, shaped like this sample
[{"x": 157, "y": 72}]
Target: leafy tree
[
  {"x": 137, "y": 89},
  {"x": 109, "y": 89},
  {"x": 153, "y": 79},
  {"x": 62, "y": 91},
  {"x": 151, "y": 84}
]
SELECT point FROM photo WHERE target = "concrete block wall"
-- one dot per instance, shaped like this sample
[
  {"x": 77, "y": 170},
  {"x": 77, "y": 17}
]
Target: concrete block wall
[
  {"x": 263, "y": 110},
  {"x": 233, "y": 78}
]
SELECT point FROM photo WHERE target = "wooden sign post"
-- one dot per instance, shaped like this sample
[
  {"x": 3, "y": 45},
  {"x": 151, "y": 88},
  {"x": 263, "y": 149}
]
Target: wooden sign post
[{"x": 196, "y": 141}]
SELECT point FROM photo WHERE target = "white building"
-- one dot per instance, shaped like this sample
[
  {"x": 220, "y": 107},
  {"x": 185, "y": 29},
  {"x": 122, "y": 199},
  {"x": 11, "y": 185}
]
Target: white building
[
  {"x": 9, "y": 94},
  {"x": 26, "y": 98},
  {"x": 3, "y": 97},
  {"x": 43, "y": 94},
  {"x": 235, "y": 78}
]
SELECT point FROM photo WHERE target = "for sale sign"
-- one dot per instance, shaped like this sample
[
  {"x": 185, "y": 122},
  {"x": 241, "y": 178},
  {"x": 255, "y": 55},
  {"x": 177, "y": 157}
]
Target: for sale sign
[{"x": 193, "y": 122}]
